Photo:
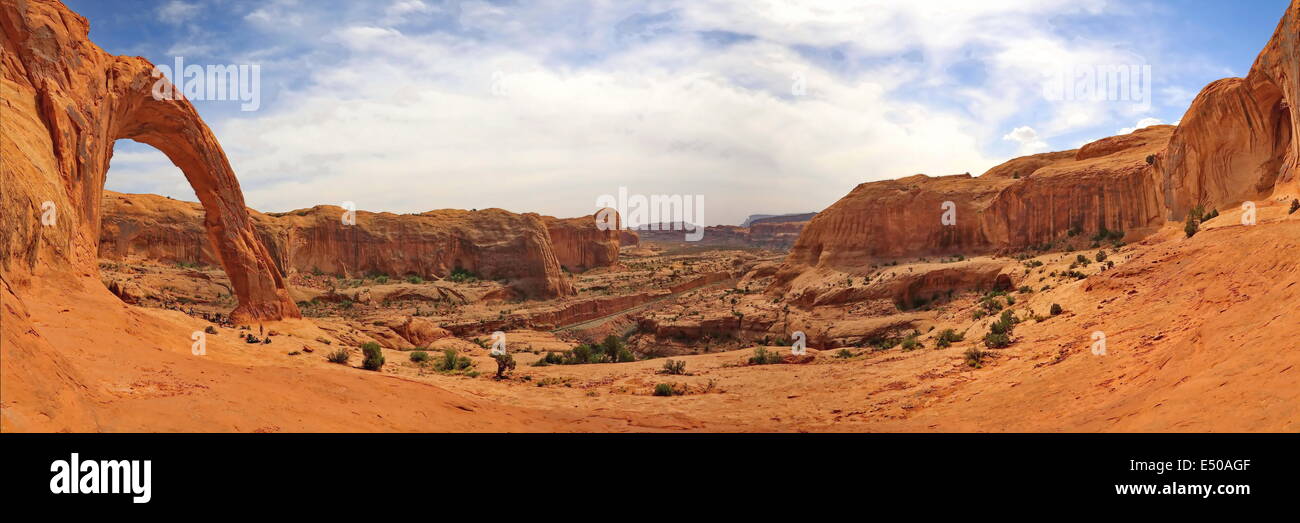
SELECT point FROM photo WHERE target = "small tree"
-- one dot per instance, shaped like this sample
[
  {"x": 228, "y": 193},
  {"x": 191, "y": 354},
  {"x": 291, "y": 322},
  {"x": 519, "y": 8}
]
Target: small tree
[{"x": 505, "y": 364}]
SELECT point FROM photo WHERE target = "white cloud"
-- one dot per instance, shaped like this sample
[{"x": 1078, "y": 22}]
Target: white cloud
[
  {"x": 1145, "y": 122},
  {"x": 178, "y": 12},
  {"x": 543, "y": 106},
  {"x": 1027, "y": 137}
]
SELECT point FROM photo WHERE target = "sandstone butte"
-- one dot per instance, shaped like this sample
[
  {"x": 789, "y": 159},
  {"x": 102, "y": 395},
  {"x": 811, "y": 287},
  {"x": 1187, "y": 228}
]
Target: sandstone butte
[
  {"x": 581, "y": 245},
  {"x": 1235, "y": 143},
  {"x": 528, "y": 250}
]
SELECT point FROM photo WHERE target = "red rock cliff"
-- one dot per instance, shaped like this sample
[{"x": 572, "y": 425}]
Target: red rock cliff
[
  {"x": 492, "y": 243},
  {"x": 581, "y": 245},
  {"x": 65, "y": 101},
  {"x": 1235, "y": 143}
]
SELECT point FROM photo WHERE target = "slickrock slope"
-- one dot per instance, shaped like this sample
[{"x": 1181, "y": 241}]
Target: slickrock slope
[
  {"x": 65, "y": 101},
  {"x": 491, "y": 243},
  {"x": 581, "y": 245}
]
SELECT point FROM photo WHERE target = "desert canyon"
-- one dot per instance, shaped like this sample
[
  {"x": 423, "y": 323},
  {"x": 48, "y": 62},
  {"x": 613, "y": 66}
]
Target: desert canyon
[{"x": 911, "y": 324}]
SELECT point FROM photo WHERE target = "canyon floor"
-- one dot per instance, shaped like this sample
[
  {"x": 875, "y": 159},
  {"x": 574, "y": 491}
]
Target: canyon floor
[{"x": 1201, "y": 334}]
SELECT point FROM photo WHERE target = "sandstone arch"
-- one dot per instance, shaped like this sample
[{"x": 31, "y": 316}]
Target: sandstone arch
[{"x": 65, "y": 102}]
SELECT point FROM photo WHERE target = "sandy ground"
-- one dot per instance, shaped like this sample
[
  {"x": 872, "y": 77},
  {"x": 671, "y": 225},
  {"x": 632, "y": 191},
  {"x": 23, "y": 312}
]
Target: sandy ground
[{"x": 1203, "y": 334}]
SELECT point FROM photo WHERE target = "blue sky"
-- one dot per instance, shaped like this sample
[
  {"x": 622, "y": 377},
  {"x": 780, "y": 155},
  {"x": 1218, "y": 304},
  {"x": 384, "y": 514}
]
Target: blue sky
[{"x": 760, "y": 106}]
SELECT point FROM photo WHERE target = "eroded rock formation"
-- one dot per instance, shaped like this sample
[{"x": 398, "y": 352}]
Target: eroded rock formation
[
  {"x": 581, "y": 245},
  {"x": 1235, "y": 143},
  {"x": 491, "y": 243},
  {"x": 65, "y": 103}
]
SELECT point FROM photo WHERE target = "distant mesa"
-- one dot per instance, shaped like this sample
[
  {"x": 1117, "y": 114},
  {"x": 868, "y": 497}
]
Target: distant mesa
[{"x": 777, "y": 218}]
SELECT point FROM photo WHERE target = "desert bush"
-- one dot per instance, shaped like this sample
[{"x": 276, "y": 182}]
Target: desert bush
[
  {"x": 910, "y": 343},
  {"x": 1056, "y": 309},
  {"x": 762, "y": 356},
  {"x": 624, "y": 355},
  {"x": 419, "y": 356},
  {"x": 1295, "y": 206},
  {"x": 374, "y": 357},
  {"x": 459, "y": 275},
  {"x": 414, "y": 279},
  {"x": 947, "y": 337},
  {"x": 340, "y": 356},
  {"x": 674, "y": 367},
  {"x": 844, "y": 354},
  {"x": 452, "y": 361},
  {"x": 664, "y": 389},
  {"x": 997, "y": 340},
  {"x": 975, "y": 357}
]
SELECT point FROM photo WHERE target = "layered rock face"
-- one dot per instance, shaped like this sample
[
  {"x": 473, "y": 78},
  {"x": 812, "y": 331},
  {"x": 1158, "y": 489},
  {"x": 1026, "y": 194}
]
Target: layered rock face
[
  {"x": 492, "y": 243},
  {"x": 1023, "y": 203},
  {"x": 65, "y": 103},
  {"x": 1235, "y": 143},
  {"x": 581, "y": 245}
]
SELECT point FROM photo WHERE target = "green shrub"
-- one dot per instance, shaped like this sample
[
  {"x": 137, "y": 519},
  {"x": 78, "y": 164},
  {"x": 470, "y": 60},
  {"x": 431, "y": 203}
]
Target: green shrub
[
  {"x": 374, "y": 357},
  {"x": 1194, "y": 219},
  {"x": 910, "y": 343},
  {"x": 997, "y": 340},
  {"x": 975, "y": 357},
  {"x": 1056, "y": 309},
  {"x": 452, "y": 361},
  {"x": 674, "y": 367},
  {"x": 340, "y": 356},
  {"x": 844, "y": 354},
  {"x": 414, "y": 279},
  {"x": 419, "y": 356},
  {"x": 580, "y": 355},
  {"x": 459, "y": 275},
  {"x": 624, "y": 355},
  {"x": 664, "y": 389},
  {"x": 762, "y": 356},
  {"x": 947, "y": 337},
  {"x": 1101, "y": 256}
]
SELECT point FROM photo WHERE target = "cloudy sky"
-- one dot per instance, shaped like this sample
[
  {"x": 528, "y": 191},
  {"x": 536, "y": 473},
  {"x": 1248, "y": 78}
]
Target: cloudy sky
[{"x": 762, "y": 106}]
